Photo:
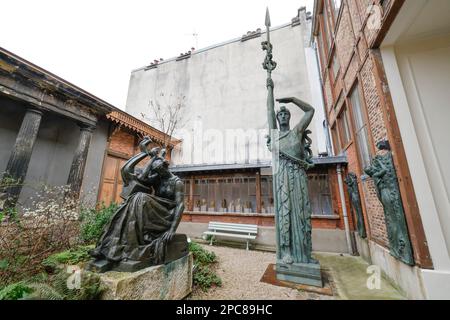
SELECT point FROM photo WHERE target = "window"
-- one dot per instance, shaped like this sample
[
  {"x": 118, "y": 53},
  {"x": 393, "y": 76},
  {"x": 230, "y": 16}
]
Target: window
[
  {"x": 267, "y": 201},
  {"x": 344, "y": 129},
  {"x": 326, "y": 29},
  {"x": 323, "y": 57},
  {"x": 336, "y": 66},
  {"x": 361, "y": 128},
  {"x": 187, "y": 187},
  {"x": 320, "y": 194},
  {"x": 336, "y": 139},
  {"x": 225, "y": 194}
]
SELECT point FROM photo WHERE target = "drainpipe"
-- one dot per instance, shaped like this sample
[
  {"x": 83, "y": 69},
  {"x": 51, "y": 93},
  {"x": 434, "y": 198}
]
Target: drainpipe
[{"x": 344, "y": 209}]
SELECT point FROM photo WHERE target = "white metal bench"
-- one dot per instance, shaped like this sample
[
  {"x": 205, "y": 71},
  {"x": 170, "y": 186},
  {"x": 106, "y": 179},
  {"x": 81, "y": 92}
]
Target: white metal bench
[{"x": 233, "y": 230}]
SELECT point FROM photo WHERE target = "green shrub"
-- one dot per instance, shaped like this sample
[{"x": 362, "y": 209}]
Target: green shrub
[
  {"x": 15, "y": 291},
  {"x": 70, "y": 257},
  {"x": 93, "y": 221},
  {"x": 204, "y": 275},
  {"x": 201, "y": 256}
]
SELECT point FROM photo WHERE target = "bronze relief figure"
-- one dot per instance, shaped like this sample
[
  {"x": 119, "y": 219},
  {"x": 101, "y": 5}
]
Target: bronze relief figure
[
  {"x": 383, "y": 173},
  {"x": 355, "y": 199}
]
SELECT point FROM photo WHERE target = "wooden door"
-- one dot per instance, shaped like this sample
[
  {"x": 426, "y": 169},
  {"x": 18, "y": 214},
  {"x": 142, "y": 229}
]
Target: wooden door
[{"x": 112, "y": 184}]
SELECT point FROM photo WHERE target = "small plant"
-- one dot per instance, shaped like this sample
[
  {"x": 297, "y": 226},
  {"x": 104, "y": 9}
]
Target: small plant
[
  {"x": 205, "y": 278},
  {"x": 201, "y": 256},
  {"x": 69, "y": 257},
  {"x": 15, "y": 291},
  {"x": 204, "y": 275},
  {"x": 59, "y": 287},
  {"x": 93, "y": 221},
  {"x": 88, "y": 288}
]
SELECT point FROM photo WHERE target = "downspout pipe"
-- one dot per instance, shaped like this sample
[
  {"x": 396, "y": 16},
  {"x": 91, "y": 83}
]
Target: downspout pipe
[{"x": 344, "y": 209}]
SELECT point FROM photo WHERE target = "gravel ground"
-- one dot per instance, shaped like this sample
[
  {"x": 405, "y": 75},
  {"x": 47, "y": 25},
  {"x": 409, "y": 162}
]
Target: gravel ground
[{"x": 241, "y": 271}]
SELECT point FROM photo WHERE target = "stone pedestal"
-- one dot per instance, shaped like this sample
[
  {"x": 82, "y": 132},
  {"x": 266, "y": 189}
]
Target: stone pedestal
[
  {"x": 177, "y": 248},
  {"x": 172, "y": 281},
  {"x": 301, "y": 273}
]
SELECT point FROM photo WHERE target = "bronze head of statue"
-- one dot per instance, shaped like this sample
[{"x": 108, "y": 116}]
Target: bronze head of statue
[
  {"x": 160, "y": 166},
  {"x": 384, "y": 145},
  {"x": 284, "y": 117}
]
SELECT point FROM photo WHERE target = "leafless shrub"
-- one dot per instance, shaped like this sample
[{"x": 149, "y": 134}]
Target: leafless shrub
[{"x": 50, "y": 224}]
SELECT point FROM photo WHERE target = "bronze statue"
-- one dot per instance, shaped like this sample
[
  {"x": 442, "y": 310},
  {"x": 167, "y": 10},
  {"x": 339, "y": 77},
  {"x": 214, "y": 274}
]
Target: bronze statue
[
  {"x": 383, "y": 173},
  {"x": 352, "y": 184},
  {"x": 142, "y": 231},
  {"x": 293, "y": 206},
  {"x": 291, "y": 158}
]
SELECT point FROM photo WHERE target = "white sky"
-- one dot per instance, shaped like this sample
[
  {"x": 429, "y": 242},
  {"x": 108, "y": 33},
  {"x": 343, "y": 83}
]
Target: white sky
[{"x": 95, "y": 44}]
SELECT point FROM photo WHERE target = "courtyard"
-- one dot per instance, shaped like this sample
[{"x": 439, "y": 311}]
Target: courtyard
[
  {"x": 316, "y": 132},
  {"x": 241, "y": 272}
]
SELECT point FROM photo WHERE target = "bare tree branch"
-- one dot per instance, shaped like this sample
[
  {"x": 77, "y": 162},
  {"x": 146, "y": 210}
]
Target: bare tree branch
[{"x": 166, "y": 114}]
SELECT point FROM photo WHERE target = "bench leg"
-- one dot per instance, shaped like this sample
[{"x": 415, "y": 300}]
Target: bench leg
[
  {"x": 247, "y": 245},
  {"x": 211, "y": 241}
]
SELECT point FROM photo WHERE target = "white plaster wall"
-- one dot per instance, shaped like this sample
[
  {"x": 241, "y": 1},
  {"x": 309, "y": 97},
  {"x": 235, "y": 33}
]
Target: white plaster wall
[
  {"x": 225, "y": 89},
  {"x": 408, "y": 279},
  {"x": 416, "y": 56},
  {"x": 419, "y": 77}
]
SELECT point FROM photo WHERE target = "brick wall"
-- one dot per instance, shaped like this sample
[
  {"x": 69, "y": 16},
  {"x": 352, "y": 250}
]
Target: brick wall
[
  {"x": 372, "y": 101},
  {"x": 351, "y": 36},
  {"x": 355, "y": 41},
  {"x": 122, "y": 142}
]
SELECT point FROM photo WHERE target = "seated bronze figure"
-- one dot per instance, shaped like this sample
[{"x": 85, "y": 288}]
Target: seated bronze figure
[{"x": 142, "y": 231}]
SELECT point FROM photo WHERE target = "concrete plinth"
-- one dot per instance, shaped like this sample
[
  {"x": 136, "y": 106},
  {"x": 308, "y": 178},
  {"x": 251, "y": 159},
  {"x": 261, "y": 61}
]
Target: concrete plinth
[
  {"x": 302, "y": 273},
  {"x": 172, "y": 281}
]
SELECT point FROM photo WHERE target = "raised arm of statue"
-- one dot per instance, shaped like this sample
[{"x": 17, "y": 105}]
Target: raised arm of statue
[
  {"x": 271, "y": 117},
  {"x": 127, "y": 170},
  {"x": 144, "y": 176},
  {"x": 307, "y": 108}
]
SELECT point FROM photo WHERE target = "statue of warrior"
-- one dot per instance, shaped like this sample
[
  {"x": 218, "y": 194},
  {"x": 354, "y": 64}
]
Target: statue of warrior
[{"x": 293, "y": 157}]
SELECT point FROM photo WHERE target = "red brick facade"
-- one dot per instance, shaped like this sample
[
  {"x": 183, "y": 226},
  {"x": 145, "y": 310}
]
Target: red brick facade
[
  {"x": 347, "y": 39},
  {"x": 124, "y": 136}
]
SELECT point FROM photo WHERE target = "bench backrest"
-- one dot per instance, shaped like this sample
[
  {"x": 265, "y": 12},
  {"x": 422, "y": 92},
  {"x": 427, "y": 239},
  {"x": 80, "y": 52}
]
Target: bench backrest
[{"x": 234, "y": 227}]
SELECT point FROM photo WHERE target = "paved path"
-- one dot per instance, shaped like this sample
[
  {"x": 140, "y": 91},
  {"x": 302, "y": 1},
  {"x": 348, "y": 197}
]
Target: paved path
[
  {"x": 241, "y": 271},
  {"x": 350, "y": 278}
]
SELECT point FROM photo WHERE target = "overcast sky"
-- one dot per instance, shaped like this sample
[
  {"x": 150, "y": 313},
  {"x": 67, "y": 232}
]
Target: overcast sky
[{"x": 95, "y": 44}]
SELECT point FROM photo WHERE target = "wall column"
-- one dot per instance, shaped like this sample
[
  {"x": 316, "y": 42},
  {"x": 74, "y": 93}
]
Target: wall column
[
  {"x": 79, "y": 159},
  {"x": 258, "y": 192},
  {"x": 19, "y": 160}
]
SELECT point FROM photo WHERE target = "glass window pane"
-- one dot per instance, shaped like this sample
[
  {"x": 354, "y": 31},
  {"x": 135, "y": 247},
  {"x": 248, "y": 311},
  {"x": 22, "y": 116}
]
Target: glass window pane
[
  {"x": 357, "y": 111},
  {"x": 336, "y": 66},
  {"x": 360, "y": 128},
  {"x": 363, "y": 146},
  {"x": 344, "y": 127},
  {"x": 320, "y": 194}
]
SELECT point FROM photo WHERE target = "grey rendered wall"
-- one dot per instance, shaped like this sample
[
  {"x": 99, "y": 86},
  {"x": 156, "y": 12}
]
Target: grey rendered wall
[
  {"x": 225, "y": 87},
  {"x": 94, "y": 164},
  {"x": 53, "y": 150},
  {"x": 52, "y": 155}
]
